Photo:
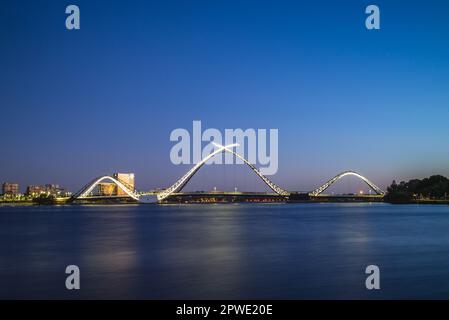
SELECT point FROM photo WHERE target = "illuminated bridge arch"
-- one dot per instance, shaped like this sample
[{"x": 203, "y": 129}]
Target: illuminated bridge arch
[
  {"x": 84, "y": 192},
  {"x": 178, "y": 185},
  {"x": 319, "y": 190}
]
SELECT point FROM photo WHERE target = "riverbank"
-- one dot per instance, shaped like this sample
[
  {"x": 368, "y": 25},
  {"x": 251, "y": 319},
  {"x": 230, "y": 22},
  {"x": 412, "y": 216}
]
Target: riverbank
[
  {"x": 18, "y": 203},
  {"x": 36, "y": 201},
  {"x": 189, "y": 200}
]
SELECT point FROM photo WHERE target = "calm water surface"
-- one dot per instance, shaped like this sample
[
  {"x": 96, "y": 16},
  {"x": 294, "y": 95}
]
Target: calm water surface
[{"x": 225, "y": 251}]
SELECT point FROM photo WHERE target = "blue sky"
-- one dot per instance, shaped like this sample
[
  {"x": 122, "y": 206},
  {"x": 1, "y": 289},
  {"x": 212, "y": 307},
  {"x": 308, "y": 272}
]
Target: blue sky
[{"x": 78, "y": 104}]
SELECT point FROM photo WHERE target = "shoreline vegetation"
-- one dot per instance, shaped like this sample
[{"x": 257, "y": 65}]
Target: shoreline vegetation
[{"x": 432, "y": 190}]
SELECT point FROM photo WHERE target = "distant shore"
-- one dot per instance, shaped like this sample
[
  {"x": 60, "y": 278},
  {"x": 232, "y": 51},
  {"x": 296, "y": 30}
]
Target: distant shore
[{"x": 64, "y": 202}]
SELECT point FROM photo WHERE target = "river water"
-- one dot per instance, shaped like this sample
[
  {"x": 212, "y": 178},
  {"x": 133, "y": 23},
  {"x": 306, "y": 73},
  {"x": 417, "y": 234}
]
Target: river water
[{"x": 225, "y": 251}]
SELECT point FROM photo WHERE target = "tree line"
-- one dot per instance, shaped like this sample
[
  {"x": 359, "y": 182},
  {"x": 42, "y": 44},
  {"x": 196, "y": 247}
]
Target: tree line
[{"x": 433, "y": 188}]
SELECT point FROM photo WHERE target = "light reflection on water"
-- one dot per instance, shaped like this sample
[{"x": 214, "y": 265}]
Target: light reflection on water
[{"x": 225, "y": 251}]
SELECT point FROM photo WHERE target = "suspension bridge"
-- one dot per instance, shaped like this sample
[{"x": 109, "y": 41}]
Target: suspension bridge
[{"x": 175, "y": 189}]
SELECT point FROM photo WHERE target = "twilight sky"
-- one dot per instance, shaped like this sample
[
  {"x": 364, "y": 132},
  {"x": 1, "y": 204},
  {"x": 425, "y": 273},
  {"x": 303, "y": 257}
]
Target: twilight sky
[{"x": 79, "y": 104}]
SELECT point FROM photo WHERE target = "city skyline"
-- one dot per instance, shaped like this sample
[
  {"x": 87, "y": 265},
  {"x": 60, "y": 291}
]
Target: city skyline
[{"x": 104, "y": 99}]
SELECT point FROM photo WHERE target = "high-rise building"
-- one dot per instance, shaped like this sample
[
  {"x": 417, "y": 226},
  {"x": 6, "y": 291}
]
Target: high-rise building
[
  {"x": 107, "y": 189},
  {"x": 34, "y": 190},
  {"x": 127, "y": 179},
  {"x": 10, "y": 188},
  {"x": 53, "y": 189}
]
